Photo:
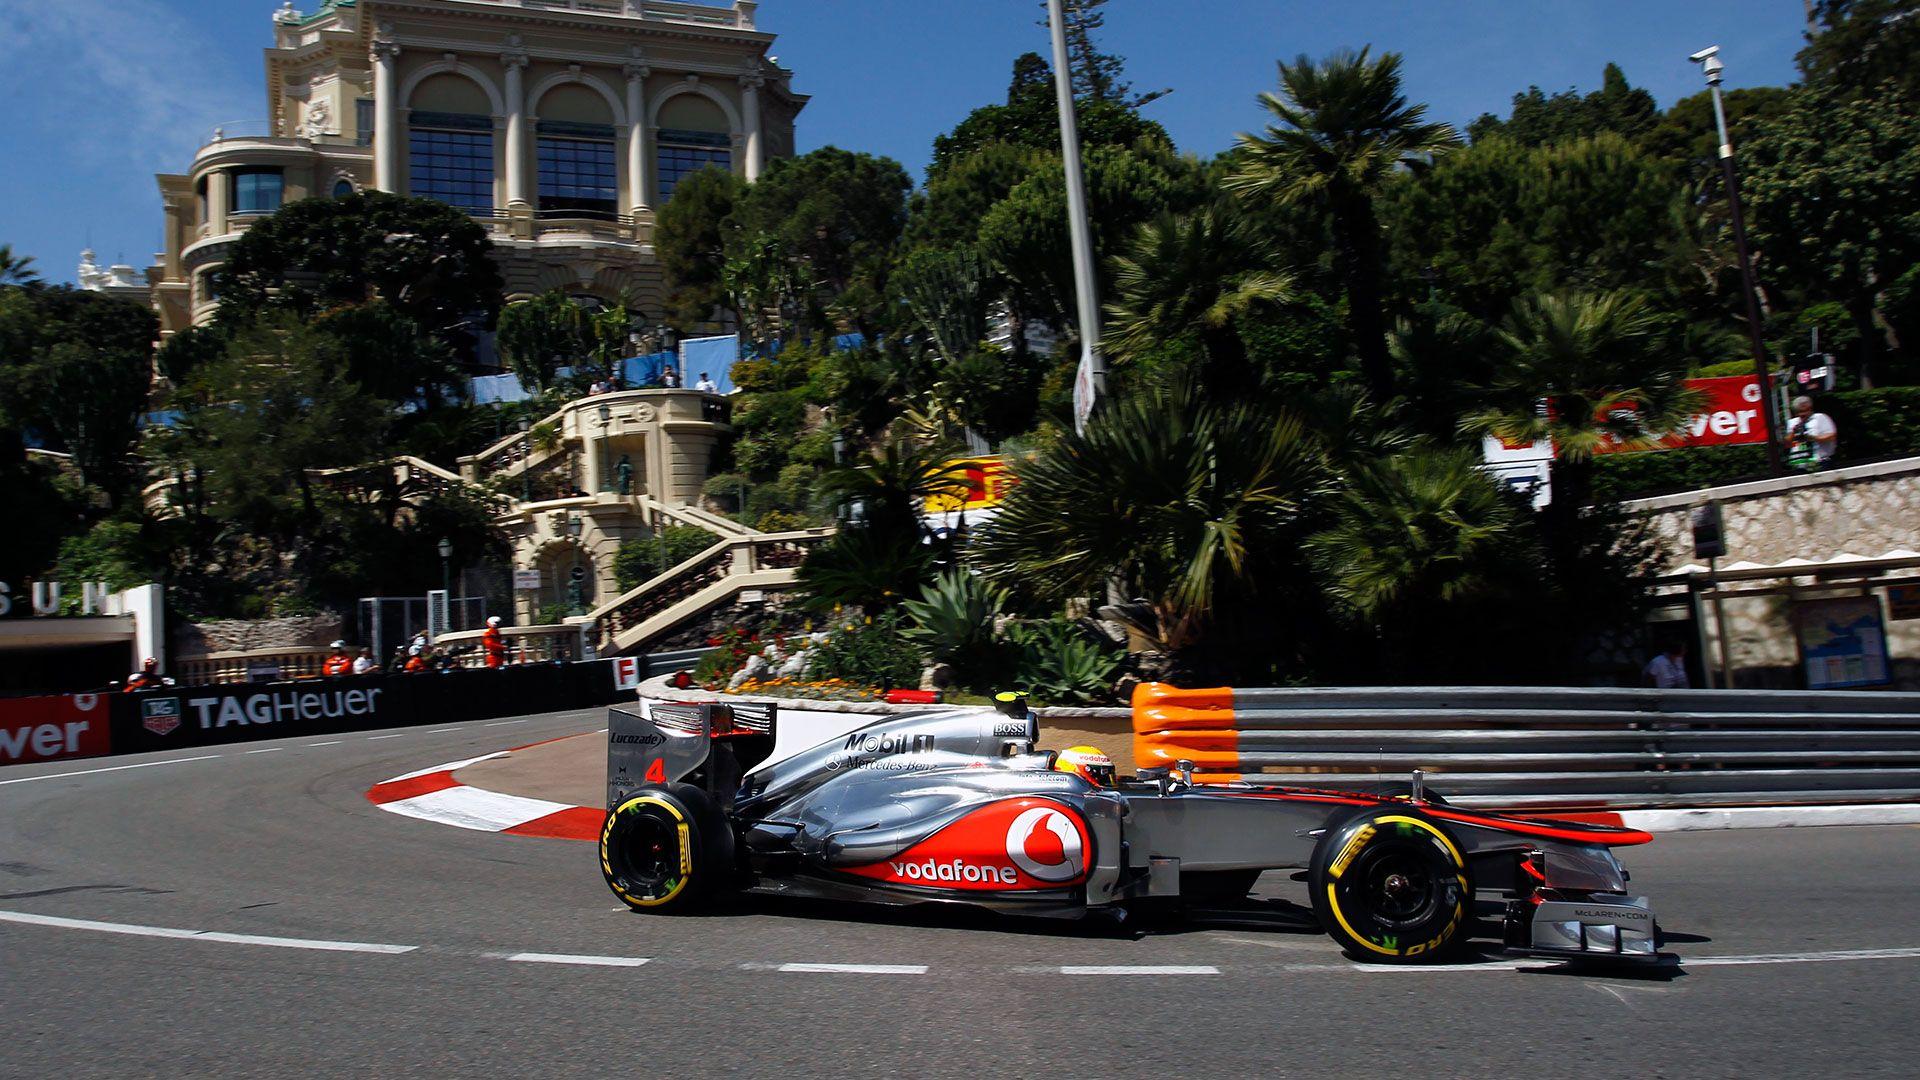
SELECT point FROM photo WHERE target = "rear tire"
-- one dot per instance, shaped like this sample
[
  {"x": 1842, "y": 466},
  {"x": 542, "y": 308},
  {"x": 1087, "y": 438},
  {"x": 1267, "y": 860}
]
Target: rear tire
[
  {"x": 1391, "y": 887},
  {"x": 666, "y": 851}
]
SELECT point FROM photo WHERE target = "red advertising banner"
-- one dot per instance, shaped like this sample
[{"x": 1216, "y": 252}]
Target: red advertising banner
[
  {"x": 1731, "y": 416},
  {"x": 53, "y": 728}
]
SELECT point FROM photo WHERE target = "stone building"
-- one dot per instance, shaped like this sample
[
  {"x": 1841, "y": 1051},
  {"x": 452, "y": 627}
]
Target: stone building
[{"x": 560, "y": 125}]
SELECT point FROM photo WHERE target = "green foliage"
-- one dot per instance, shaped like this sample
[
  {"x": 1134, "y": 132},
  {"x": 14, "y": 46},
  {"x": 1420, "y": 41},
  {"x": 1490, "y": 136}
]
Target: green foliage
[
  {"x": 1342, "y": 128},
  {"x": 690, "y": 237},
  {"x": 1498, "y": 220},
  {"x": 188, "y": 349},
  {"x": 1538, "y": 119},
  {"x": 74, "y": 368},
  {"x": 541, "y": 335},
  {"x": 16, "y": 269},
  {"x": 870, "y": 652},
  {"x": 641, "y": 559},
  {"x": 1031, "y": 119},
  {"x": 1878, "y": 423},
  {"x": 1862, "y": 46},
  {"x": 990, "y": 392},
  {"x": 1617, "y": 477},
  {"x": 953, "y": 621},
  {"x": 945, "y": 290},
  {"x": 430, "y": 261},
  {"x": 1060, "y": 664},
  {"x": 864, "y": 568}
]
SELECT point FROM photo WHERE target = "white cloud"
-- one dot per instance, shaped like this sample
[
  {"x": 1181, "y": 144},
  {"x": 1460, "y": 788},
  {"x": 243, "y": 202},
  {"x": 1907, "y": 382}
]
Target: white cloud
[{"x": 120, "y": 82}]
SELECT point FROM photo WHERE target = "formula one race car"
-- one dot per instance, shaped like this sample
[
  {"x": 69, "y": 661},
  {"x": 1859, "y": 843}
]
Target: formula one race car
[{"x": 955, "y": 805}]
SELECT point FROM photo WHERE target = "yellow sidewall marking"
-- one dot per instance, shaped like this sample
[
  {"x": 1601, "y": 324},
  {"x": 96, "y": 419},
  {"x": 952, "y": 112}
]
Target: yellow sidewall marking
[
  {"x": 1334, "y": 903},
  {"x": 1353, "y": 849},
  {"x": 686, "y": 849}
]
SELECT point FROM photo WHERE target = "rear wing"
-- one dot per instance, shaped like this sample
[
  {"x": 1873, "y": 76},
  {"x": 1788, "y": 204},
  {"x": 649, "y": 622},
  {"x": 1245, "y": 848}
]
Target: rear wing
[{"x": 709, "y": 745}]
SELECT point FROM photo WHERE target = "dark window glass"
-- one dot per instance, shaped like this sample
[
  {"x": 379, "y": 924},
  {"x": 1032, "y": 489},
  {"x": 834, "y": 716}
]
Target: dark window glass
[
  {"x": 685, "y": 152},
  {"x": 256, "y": 191},
  {"x": 342, "y": 188},
  {"x": 451, "y": 159},
  {"x": 363, "y": 121},
  {"x": 576, "y": 168}
]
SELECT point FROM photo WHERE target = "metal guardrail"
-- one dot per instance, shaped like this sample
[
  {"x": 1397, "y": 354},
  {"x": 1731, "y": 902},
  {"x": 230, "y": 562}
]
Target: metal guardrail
[{"x": 1534, "y": 747}]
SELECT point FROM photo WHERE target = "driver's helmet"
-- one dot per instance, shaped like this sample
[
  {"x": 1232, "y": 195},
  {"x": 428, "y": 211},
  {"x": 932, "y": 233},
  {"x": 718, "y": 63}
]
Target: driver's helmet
[{"x": 1088, "y": 763}]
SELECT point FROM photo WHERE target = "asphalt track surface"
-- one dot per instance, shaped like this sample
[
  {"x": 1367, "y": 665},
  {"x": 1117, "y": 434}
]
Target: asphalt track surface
[{"x": 259, "y": 843}]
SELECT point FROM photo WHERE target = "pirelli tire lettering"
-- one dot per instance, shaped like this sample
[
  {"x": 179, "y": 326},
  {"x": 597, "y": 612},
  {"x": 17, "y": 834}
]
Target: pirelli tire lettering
[
  {"x": 666, "y": 851},
  {"x": 1391, "y": 886}
]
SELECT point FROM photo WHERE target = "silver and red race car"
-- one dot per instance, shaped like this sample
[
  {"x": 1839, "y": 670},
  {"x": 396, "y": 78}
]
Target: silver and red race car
[{"x": 956, "y": 805}]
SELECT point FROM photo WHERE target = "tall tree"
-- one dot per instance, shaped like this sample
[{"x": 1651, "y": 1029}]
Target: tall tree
[
  {"x": 16, "y": 269},
  {"x": 1856, "y": 46},
  {"x": 538, "y": 336},
  {"x": 690, "y": 235},
  {"x": 428, "y": 260},
  {"x": 1538, "y": 119},
  {"x": 1343, "y": 128},
  {"x": 1097, "y": 76},
  {"x": 1031, "y": 118}
]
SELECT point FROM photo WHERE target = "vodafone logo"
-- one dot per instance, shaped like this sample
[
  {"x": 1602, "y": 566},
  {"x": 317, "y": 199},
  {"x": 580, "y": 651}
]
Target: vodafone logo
[{"x": 1045, "y": 844}]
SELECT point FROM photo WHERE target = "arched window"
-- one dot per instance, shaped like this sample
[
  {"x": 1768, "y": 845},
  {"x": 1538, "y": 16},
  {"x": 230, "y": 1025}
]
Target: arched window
[
  {"x": 342, "y": 188},
  {"x": 577, "y": 173},
  {"x": 450, "y": 143},
  {"x": 693, "y": 136}
]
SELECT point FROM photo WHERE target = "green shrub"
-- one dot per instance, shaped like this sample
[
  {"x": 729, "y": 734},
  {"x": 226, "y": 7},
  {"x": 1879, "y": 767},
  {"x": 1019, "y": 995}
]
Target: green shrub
[
  {"x": 1617, "y": 477},
  {"x": 1875, "y": 424},
  {"x": 869, "y": 653},
  {"x": 639, "y": 559},
  {"x": 953, "y": 621},
  {"x": 1723, "y": 369},
  {"x": 1061, "y": 664}
]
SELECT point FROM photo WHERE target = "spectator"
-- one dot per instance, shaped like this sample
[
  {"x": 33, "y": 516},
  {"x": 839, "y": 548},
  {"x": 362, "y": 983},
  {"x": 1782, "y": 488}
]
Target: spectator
[
  {"x": 147, "y": 678},
  {"x": 599, "y": 387},
  {"x": 494, "y": 644},
  {"x": 364, "y": 663},
  {"x": 418, "y": 659},
  {"x": 1812, "y": 437},
  {"x": 337, "y": 662},
  {"x": 1668, "y": 671},
  {"x": 706, "y": 385},
  {"x": 669, "y": 378}
]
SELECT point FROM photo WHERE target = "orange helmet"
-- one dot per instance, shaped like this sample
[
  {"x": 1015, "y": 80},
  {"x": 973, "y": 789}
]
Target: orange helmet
[{"x": 1088, "y": 763}]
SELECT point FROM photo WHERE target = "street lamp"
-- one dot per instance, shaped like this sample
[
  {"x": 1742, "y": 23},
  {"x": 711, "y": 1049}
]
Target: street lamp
[
  {"x": 446, "y": 572},
  {"x": 526, "y": 461},
  {"x": 606, "y": 419},
  {"x": 1711, "y": 67},
  {"x": 1090, "y": 380}
]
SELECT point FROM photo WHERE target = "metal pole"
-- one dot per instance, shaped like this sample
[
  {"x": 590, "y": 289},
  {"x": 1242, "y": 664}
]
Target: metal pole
[
  {"x": 1091, "y": 380},
  {"x": 1713, "y": 69},
  {"x": 1720, "y": 625}
]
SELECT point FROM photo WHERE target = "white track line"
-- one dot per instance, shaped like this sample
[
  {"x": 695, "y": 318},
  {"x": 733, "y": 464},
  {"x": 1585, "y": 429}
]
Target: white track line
[
  {"x": 856, "y": 969},
  {"x": 396, "y": 735},
  {"x": 451, "y": 766},
  {"x": 267, "y": 750},
  {"x": 335, "y": 742},
  {"x": 1801, "y": 958},
  {"x": 442, "y": 731},
  {"x": 110, "y": 768},
  {"x": 136, "y": 930},
  {"x": 1136, "y": 969},
  {"x": 503, "y": 723},
  {"x": 570, "y": 958}
]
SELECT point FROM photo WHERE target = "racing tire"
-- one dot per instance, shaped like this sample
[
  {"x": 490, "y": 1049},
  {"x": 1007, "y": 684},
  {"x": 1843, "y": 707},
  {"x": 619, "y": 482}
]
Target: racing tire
[
  {"x": 667, "y": 850},
  {"x": 1391, "y": 887}
]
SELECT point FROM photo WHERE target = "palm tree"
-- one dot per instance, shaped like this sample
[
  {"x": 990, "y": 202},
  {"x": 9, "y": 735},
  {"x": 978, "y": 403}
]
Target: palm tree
[
  {"x": 1192, "y": 505},
  {"x": 1196, "y": 273},
  {"x": 16, "y": 269},
  {"x": 1343, "y": 129},
  {"x": 890, "y": 487},
  {"x": 1591, "y": 372}
]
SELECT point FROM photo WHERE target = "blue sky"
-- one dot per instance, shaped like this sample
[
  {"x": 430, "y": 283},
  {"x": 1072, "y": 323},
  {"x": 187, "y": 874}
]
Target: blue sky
[{"x": 102, "y": 94}]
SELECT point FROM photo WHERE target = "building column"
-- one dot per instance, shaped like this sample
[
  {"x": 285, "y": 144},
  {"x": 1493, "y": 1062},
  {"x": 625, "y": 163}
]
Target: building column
[
  {"x": 518, "y": 152},
  {"x": 219, "y": 201},
  {"x": 386, "y": 124},
  {"x": 639, "y": 140},
  {"x": 750, "y": 85}
]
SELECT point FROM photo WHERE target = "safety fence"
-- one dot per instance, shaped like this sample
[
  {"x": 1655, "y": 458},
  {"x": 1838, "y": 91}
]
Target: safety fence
[
  {"x": 1541, "y": 748},
  {"x": 59, "y": 727}
]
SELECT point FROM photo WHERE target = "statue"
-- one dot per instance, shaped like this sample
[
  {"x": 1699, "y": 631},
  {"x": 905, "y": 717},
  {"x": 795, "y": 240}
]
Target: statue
[
  {"x": 624, "y": 471},
  {"x": 319, "y": 119}
]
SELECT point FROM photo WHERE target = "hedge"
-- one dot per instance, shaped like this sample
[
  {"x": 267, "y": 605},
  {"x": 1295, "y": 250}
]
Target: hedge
[{"x": 1874, "y": 425}]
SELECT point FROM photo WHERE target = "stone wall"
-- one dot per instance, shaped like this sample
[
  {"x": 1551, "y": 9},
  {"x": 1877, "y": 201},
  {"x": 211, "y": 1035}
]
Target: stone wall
[{"x": 252, "y": 635}]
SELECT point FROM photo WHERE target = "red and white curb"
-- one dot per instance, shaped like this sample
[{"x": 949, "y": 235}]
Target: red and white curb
[{"x": 432, "y": 794}]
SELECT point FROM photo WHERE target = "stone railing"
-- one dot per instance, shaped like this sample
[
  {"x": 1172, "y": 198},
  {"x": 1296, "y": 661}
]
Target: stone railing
[
  {"x": 235, "y": 666},
  {"x": 655, "y": 596},
  {"x": 525, "y": 644},
  {"x": 715, "y": 576},
  {"x": 409, "y": 477}
]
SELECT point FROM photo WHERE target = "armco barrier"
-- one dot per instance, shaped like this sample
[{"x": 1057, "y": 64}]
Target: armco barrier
[
  {"x": 1540, "y": 747},
  {"x": 90, "y": 725}
]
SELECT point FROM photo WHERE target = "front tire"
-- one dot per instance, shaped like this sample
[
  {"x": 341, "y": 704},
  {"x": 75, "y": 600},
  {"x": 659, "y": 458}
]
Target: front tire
[
  {"x": 666, "y": 851},
  {"x": 1391, "y": 887}
]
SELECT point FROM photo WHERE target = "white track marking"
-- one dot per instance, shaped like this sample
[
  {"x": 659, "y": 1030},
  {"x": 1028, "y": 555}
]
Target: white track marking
[
  {"x": 396, "y": 735},
  {"x": 856, "y": 969},
  {"x": 442, "y": 731},
  {"x": 335, "y": 742},
  {"x": 450, "y": 766},
  {"x": 136, "y": 930},
  {"x": 267, "y": 750},
  {"x": 110, "y": 768},
  {"x": 569, "y": 958},
  {"x": 1136, "y": 969},
  {"x": 503, "y": 723},
  {"x": 474, "y": 808},
  {"x": 1801, "y": 958}
]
